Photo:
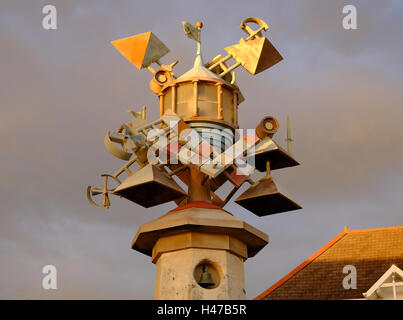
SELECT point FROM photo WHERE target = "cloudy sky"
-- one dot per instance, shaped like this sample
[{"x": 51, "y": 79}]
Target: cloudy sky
[{"x": 60, "y": 90}]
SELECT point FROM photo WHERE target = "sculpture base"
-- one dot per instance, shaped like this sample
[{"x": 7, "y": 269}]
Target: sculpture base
[
  {"x": 200, "y": 251},
  {"x": 179, "y": 272}
]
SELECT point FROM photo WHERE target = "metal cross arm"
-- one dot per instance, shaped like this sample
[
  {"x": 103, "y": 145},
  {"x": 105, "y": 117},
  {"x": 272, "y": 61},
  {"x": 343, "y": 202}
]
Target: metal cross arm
[
  {"x": 255, "y": 53},
  {"x": 252, "y": 34},
  {"x": 91, "y": 191}
]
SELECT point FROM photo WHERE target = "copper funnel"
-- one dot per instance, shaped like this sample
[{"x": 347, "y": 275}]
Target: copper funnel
[
  {"x": 265, "y": 198},
  {"x": 149, "y": 187},
  {"x": 255, "y": 55},
  {"x": 268, "y": 150}
]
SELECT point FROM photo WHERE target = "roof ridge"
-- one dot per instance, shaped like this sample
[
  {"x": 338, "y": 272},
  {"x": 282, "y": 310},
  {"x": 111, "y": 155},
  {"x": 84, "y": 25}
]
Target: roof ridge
[
  {"x": 302, "y": 265},
  {"x": 316, "y": 255},
  {"x": 373, "y": 229}
]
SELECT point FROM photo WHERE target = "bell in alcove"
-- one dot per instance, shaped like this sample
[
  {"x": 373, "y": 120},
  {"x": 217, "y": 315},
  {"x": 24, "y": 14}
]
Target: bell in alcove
[
  {"x": 206, "y": 279},
  {"x": 265, "y": 197}
]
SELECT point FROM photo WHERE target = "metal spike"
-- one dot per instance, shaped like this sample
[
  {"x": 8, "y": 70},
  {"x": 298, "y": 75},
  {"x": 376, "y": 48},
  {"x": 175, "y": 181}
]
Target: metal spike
[{"x": 289, "y": 140}]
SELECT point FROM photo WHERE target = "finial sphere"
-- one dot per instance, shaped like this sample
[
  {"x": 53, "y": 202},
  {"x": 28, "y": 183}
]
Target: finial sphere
[{"x": 199, "y": 24}]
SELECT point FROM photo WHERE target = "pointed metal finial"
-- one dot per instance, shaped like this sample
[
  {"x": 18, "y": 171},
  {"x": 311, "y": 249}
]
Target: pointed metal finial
[
  {"x": 289, "y": 140},
  {"x": 194, "y": 33}
]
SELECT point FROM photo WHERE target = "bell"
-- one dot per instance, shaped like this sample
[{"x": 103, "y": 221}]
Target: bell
[
  {"x": 149, "y": 187},
  {"x": 265, "y": 198},
  {"x": 206, "y": 279},
  {"x": 268, "y": 150}
]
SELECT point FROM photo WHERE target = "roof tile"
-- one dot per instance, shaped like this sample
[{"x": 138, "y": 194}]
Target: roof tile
[{"x": 371, "y": 251}]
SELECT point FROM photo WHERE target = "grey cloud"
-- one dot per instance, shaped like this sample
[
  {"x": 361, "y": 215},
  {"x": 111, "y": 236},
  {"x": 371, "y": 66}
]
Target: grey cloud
[{"x": 60, "y": 91}]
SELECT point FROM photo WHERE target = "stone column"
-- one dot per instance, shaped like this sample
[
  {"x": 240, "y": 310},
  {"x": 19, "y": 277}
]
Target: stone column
[{"x": 195, "y": 237}]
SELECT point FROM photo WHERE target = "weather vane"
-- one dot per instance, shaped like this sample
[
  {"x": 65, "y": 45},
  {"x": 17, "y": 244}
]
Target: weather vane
[{"x": 186, "y": 155}]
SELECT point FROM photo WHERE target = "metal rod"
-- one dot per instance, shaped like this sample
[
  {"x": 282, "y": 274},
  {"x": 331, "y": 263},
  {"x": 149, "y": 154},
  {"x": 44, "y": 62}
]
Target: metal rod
[
  {"x": 235, "y": 110},
  {"x": 161, "y": 105},
  {"x": 236, "y": 65},
  {"x": 289, "y": 139},
  {"x": 127, "y": 165},
  {"x": 219, "y": 101},
  {"x": 254, "y": 33},
  {"x": 229, "y": 196},
  {"x": 195, "y": 97},
  {"x": 249, "y": 179},
  {"x": 267, "y": 168},
  {"x": 143, "y": 112},
  {"x": 174, "y": 98},
  {"x": 177, "y": 170},
  {"x": 219, "y": 62}
]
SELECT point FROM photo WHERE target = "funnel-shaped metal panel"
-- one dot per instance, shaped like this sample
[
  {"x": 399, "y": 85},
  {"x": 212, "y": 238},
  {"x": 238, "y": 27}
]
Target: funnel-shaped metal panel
[
  {"x": 268, "y": 150},
  {"x": 255, "y": 55},
  {"x": 141, "y": 49},
  {"x": 149, "y": 187},
  {"x": 265, "y": 198}
]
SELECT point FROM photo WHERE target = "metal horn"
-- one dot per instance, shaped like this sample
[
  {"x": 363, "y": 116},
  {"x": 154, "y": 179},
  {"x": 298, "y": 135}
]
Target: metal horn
[{"x": 265, "y": 197}]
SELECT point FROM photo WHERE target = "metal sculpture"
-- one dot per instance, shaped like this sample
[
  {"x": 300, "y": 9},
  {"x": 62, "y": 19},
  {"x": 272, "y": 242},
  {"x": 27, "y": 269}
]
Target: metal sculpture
[{"x": 193, "y": 141}]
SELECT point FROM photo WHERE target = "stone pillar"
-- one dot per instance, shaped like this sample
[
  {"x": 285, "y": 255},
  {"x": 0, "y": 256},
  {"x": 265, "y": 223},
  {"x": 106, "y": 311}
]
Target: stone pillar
[
  {"x": 196, "y": 236},
  {"x": 180, "y": 260}
]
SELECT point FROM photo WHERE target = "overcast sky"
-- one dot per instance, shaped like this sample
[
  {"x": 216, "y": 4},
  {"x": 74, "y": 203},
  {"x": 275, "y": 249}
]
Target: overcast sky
[{"x": 60, "y": 90}]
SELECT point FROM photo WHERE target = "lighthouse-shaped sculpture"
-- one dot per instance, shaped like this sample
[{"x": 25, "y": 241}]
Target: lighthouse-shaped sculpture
[{"x": 187, "y": 155}]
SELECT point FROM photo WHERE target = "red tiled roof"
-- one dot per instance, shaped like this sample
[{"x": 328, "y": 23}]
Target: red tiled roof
[{"x": 371, "y": 251}]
